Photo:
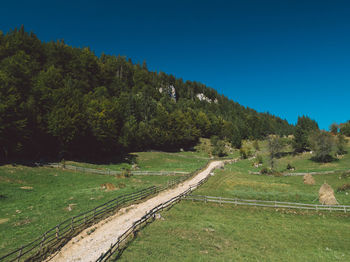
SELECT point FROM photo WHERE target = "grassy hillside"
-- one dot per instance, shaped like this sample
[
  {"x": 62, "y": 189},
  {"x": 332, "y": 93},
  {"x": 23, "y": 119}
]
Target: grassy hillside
[
  {"x": 210, "y": 232},
  {"x": 301, "y": 162},
  {"x": 35, "y": 199},
  {"x": 235, "y": 181},
  {"x": 155, "y": 161}
]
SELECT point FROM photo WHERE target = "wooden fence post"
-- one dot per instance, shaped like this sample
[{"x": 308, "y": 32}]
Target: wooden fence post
[
  {"x": 57, "y": 232},
  {"x": 20, "y": 254},
  {"x": 42, "y": 242}
]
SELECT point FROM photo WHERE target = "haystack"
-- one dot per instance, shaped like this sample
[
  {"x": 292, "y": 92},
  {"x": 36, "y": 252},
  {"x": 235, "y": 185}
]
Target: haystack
[
  {"x": 326, "y": 195},
  {"x": 309, "y": 180},
  {"x": 108, "y": 186}
]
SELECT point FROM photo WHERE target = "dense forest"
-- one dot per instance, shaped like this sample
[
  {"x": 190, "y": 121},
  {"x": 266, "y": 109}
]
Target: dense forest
[{"x": 60, "y": 101}]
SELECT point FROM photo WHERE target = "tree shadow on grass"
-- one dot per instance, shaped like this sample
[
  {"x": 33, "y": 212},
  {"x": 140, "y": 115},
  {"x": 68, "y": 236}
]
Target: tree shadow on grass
[
  {"x": 116, "y": 159},
  {"x": 324, "y": 159}
]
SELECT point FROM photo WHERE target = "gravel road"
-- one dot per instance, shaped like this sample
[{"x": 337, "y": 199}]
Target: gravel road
[{"x": 93, "y": 241}]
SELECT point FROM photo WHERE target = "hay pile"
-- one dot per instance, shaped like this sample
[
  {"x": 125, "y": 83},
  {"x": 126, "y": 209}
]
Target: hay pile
[
  {"x": 309, "y": 180},
  {"x": 108, "y": 186},
  {"x": 326, "y": 195}
]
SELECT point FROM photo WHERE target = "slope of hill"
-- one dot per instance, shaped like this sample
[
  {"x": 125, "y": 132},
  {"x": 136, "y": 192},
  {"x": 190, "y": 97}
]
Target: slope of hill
[{"x": 61, "y": 101}]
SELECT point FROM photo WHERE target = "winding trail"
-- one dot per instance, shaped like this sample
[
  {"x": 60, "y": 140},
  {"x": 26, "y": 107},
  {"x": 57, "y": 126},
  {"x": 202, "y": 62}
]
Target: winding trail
[{"x": 89, "y": 244}]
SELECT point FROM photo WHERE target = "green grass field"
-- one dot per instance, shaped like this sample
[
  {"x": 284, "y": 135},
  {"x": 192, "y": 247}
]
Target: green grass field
[
  {"x": 156, "y": 161},
  {"x": 210, "y": 232},
  {"x": 302, "y": 162},
  {"x": 35, "y": 199},
  {"x": 235, "y": 181},
  {"x": 195, "y": 231}
]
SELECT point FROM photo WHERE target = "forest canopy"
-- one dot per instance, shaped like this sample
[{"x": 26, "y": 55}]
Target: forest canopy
[{"x": 60, "y": 101}]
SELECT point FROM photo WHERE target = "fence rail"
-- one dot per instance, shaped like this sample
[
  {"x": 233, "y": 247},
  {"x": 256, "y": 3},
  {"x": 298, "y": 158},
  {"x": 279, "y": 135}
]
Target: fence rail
[
  {"x": 265, "y": 203},
  {"x": 120, "y": 241},
  {"x": 113, "y": 172},
  {"x": 57, "y": 236},
  {"x": 346, "y": 171}
]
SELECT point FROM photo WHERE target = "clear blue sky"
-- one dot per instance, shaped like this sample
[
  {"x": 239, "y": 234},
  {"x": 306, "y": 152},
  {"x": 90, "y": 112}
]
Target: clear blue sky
[{"x": 286, "y": 57}]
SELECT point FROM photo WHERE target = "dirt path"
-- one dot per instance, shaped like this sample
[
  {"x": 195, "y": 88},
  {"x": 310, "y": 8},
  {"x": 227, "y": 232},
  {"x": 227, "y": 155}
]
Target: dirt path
[{"x": 89, "y": 244}]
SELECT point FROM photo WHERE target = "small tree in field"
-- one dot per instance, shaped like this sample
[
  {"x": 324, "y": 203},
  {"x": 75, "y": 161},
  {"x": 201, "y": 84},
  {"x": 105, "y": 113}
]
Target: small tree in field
[
  {"x": 256, "y": 145},
  {"x": 275, "y": 145},
  {"x": 219, "y": 149},
  {"x": 322, "y": 144},
  {"x": 341, "y": 143},
  {"x": 334, "y": 128}
]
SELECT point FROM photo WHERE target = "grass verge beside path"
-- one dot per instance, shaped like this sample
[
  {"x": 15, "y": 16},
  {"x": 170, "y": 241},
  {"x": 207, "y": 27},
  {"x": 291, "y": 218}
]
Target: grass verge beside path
[
  {"x": 210, "y": 232},
  {"x": 235, "y": 182},
  {"x": 33, "y": 200}
]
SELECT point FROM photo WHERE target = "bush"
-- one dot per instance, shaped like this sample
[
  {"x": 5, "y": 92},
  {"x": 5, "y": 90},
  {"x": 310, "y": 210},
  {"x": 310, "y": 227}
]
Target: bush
[
  {"x": 341, "y": 143},
  {"x": 322, "y": 144},
  {"x": 290, "y": 167},
  {"x": 259, "y": 159},
  {"x": 266, "y": 171},
  {"x": 345, "y": 175},
  {"x": 245, "y": 152},
  {"x": 127, "y": 173},
  {"x": 219, "y": 149},
  {"x": 344, "y": 187},
  {"x": 256, "y": 145}
]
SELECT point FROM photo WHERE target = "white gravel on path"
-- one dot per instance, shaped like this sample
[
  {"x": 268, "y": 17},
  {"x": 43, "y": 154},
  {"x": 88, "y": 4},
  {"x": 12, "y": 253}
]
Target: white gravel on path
[{"x": 88, "y": 245}]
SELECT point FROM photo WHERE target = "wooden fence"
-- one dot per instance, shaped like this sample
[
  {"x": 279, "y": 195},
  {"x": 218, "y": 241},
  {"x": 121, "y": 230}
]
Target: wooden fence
[
  {"x": 122, "y": 240},
  {"x": 112, "y": 172},
  {"x": 303, "y": 174},
  {"x": 53, "y": 239},
  {"x": 265, "y": 203}
]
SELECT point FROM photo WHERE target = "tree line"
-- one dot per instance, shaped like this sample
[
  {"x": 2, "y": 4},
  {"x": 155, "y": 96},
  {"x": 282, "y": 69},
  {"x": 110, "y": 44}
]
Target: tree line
[{"x": 60, "y": 101}]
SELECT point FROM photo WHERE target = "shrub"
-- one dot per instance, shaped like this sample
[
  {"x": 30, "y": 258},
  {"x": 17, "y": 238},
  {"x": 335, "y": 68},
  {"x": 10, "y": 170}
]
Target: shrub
[
  {"x": 322, "y": 144},
  {"x": 219, "y": 149},
  {"x": 266, "y": 171},
  {"x": 344, "y": 187},
  {"x": 127, "y": 173},
  {"x": 256, "y": 145},
  {"x": 245, "y": 152},
  {"x": 277, "y": 174},
  {"x": 290, "y": 167},
  {"x": 259, "y": 159},
  {"x": 345, "y": 175}
]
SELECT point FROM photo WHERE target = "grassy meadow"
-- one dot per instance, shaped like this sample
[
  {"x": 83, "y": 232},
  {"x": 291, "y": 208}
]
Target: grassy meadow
[
  {"x": 235, "y": 181},
  {"x": 196, "y": 231},
  {"x": 155, "y": 161},
  {"x": 193, "y": 231},
  {"x": 185, "y": 161},
  {"x": 34, "y": 199},
  {"x": 301, "y": 162}
]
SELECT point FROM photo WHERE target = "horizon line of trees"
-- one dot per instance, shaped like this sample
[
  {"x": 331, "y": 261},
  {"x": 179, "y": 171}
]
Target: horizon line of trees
[{"x": 66, "y": 102}]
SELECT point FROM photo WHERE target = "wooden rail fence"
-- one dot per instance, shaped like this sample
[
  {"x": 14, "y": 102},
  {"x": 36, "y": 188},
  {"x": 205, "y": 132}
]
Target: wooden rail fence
[
  {"x": 53, "y": 239},
  {"x": 305, "y": 173},
  {"x": 122, "y": 240},
  {"x": 265, "y": 203},
  {"x": 112, "y": 172}
]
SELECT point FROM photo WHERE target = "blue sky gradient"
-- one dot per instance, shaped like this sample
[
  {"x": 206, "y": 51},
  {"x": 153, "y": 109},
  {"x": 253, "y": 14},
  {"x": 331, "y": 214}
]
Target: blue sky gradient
[{"x": 288, "y": 58}]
